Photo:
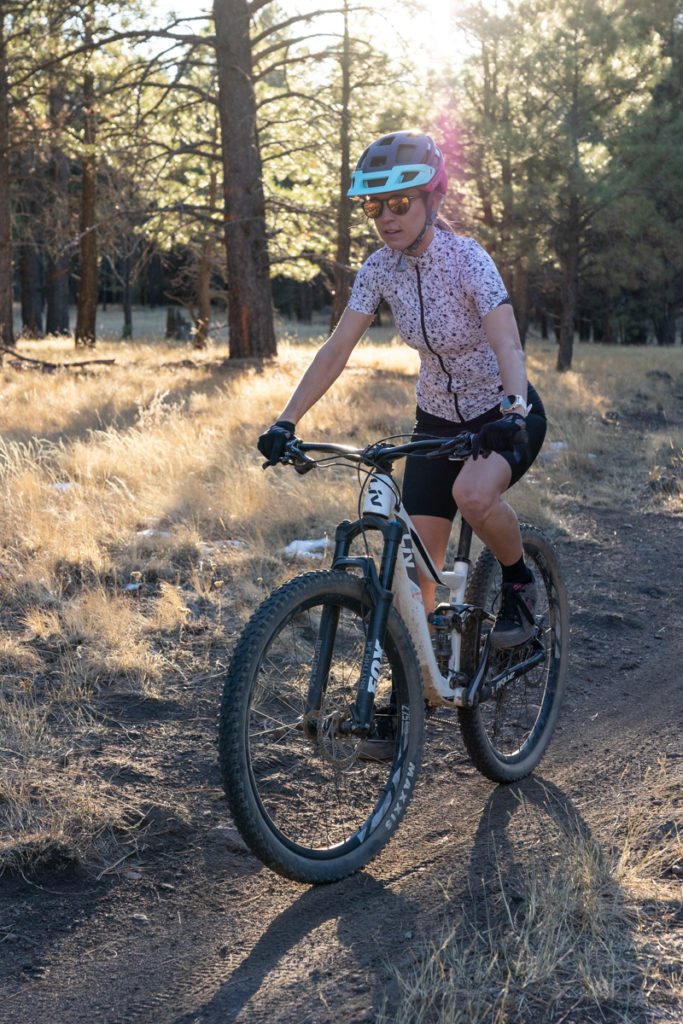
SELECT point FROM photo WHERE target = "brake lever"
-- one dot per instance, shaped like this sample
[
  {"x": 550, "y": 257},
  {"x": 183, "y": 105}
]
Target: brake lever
[
  {"x": 293, "y": 457},
  {"x": 304, "y": 467},
  {"x": 444, "y": 449},
  {"x": 456, "y": 448}
]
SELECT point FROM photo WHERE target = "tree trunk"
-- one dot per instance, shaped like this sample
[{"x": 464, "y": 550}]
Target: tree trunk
[
  {"x": 6, "y": 317},
  {"x": 566, "y": 347},
  {"x": 343, "y": 252},
  {"x": 250, "y": 305},
  {"x": 30, "y": 262},
  {"x": 664, "y": 323},
  {"x": 57, "y": 295},
  {"x": 30, "y": 279},
  {"x": 570, "y": 272},
  {"x": 57, "y": 269},
  {"x": 88, "y": 288},
  {"x": 126, "y": 298},
  {"x": 304, "y": 303},
  {"x": 572, "y": 240}
]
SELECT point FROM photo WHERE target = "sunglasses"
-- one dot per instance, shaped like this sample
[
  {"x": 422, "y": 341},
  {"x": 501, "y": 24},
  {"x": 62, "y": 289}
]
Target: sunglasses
[{"x": 397, "y": 204}]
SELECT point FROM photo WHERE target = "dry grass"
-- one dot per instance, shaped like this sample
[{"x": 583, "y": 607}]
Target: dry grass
[
  {"x": 566, "y": 925},
  {"x": 139, "y": 530},
  {"x": 588, "y": 458}
]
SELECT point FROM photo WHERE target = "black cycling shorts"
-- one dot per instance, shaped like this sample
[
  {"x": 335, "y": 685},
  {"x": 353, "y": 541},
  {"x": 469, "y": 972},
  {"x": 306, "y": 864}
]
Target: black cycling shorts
[{"x": 428, "y": 483}]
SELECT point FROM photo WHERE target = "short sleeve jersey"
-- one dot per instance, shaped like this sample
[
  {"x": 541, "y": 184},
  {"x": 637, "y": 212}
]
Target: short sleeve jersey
[{"x": 438, "y": 300}]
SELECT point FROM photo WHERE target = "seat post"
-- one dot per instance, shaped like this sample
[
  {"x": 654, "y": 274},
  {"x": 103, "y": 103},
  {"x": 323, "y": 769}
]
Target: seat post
[{"x": 464, "y": 541}]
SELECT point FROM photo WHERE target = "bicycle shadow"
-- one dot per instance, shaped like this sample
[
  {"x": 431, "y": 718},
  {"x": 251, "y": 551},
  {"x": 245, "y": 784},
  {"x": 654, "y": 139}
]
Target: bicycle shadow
[
  {"x": 522, "y": 826},
  {"x": 313, "y": 910},
  {"x": 530, "y": 837}
]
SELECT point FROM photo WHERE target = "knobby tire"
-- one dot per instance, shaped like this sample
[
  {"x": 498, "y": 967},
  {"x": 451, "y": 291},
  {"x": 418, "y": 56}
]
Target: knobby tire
[
  {"x": 507, "y": 735},
  {"x": 300, "y": 794}
]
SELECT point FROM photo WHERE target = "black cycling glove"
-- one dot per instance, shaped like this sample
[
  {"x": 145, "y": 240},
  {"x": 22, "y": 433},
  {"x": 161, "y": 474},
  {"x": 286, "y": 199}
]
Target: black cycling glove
[
  {"x": 272, "y": 443},
  {"x": 500, "y": 435}
]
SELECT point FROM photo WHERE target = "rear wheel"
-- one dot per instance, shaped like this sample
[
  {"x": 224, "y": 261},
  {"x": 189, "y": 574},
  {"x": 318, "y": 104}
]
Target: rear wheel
[
  {"x": 507, "y": 734},
  {"x": 300, "y": 792}
]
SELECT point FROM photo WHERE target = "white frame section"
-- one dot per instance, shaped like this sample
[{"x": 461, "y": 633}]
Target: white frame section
[{"x": 381, "y": 499}]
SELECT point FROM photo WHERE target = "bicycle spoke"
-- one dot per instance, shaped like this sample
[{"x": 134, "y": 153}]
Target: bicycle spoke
[
  {"x": 507, "y": 732},
  {"x": 345, "y": 789}
]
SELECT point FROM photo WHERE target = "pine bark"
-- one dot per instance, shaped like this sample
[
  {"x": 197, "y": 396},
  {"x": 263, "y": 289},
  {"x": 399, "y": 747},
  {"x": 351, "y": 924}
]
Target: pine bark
[
  {"x": 89, "y": 285},
  {"x": 343, "y": 251},
  {"x": 6, "y": 316},
  {"x": 250, "y": 312},
  {"x": 57, "y": 264}
]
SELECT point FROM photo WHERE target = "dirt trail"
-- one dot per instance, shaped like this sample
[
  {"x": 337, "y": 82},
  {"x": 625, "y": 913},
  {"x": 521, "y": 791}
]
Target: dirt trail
[{"x": 195, "y": 930}]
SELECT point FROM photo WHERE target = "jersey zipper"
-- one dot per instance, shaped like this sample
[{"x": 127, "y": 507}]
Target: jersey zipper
[{"x": 450, "y": 388}]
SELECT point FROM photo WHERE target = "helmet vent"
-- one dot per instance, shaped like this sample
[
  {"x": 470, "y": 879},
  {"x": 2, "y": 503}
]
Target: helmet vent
[
  {"x": 378, "y": 161},
  {"x": 375, "y": 180},
  {"x": 406, "y": 154}
]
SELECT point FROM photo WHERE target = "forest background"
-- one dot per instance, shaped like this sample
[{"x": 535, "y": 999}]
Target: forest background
[
  {"x": 199, "y": 161},
  {"x": 198, "y": 165}
]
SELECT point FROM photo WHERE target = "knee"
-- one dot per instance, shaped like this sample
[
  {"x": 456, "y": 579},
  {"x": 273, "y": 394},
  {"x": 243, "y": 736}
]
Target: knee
[{"x": 474, "y": 502}]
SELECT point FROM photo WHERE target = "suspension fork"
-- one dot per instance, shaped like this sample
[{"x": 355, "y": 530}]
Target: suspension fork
[
  {"x": 327, "y": 632},
  {"x": 379, "y": 584}
]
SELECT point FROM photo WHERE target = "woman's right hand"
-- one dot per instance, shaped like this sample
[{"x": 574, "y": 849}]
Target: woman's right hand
[{"x": 272, "y": 443}]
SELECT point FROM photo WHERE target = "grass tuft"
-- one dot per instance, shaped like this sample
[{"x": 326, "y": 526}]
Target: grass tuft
[{"x": 566, "y": 924}]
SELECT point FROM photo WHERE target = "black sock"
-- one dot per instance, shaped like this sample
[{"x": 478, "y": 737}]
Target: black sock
[{"x": 517, "y": 573}]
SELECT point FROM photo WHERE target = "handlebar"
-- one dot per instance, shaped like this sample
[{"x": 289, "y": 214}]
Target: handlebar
[{"x": 382, "y": 454}]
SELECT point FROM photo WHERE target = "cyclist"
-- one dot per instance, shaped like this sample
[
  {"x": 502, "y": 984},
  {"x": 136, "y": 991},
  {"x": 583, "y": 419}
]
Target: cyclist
[{"x": 449, "y": 302}]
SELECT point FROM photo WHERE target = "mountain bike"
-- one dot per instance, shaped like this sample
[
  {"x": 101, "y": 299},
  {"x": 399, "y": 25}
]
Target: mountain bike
[{"x": 336, "y": 657}]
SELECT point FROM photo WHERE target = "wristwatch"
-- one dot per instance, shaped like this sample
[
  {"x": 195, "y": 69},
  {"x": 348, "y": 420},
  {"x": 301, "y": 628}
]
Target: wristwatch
[{"x": 512, "y": 403}]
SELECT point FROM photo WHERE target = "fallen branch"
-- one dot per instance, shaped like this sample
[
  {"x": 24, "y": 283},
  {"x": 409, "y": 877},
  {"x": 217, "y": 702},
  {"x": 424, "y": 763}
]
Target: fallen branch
[{"x": 51, "y": 366}]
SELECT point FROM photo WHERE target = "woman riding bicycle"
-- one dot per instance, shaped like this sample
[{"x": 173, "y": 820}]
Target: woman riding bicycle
[{"x": 448, "y": 302}]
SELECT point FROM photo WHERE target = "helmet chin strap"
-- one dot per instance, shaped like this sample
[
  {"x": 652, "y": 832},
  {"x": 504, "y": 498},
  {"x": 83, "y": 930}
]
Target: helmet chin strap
[{"x": 433, "y": 204}]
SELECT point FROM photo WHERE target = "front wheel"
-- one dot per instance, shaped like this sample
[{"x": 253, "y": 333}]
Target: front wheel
[
  {"x": 302, "y": 794},
  {"x": 506, "y": 735}
]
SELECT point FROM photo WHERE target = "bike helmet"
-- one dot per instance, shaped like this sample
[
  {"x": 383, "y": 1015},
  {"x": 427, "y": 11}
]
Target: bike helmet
[{"x": 398, "y": 160}]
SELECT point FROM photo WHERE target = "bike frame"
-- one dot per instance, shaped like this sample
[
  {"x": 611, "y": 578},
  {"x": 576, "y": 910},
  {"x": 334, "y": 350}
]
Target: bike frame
[
  {"x": 398, "y": 576},
  {"x": 396, "y": 581}
]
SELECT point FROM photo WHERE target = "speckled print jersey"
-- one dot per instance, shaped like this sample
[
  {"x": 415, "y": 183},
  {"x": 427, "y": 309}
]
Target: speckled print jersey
[{"x": 438, "y": 301}]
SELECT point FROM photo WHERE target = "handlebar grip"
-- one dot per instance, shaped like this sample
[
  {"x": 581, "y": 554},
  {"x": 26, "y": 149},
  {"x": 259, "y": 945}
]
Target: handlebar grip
[{"x": 521, "y": 437}]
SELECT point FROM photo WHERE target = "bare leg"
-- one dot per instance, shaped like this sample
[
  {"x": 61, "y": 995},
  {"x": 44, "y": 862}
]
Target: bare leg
[
  {"x": 434, "y": 533},
  {"x": 477, "y": 492}
]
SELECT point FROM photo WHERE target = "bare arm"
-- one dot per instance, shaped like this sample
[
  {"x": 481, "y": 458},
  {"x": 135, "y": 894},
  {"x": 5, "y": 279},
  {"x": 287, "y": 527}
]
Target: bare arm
[
  {"x": 501, "y": 330},
  {"x": 328, "y": 363}
]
